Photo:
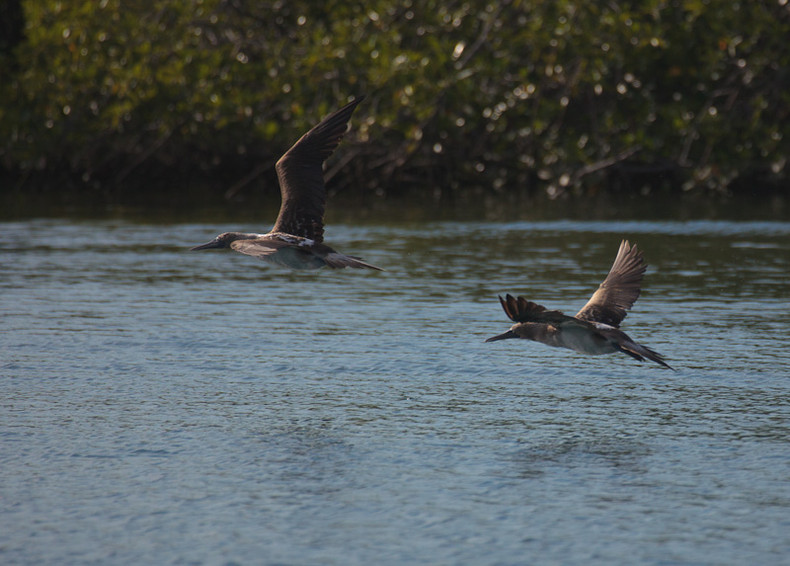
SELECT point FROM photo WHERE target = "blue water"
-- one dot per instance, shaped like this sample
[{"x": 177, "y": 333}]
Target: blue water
[{"x": 167, "y": 407}]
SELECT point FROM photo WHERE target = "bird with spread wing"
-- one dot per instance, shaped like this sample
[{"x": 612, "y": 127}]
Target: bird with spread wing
[
  {"x": 296, "y": 240},
  {"x": 595, "y": 329}
]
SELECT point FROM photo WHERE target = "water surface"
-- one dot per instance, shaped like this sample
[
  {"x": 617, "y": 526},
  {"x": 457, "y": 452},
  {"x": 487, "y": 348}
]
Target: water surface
[{"x": 161, "y": 406}]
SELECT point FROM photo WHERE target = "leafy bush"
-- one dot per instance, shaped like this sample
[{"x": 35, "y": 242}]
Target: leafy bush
[{"x": 559, "y": 96}]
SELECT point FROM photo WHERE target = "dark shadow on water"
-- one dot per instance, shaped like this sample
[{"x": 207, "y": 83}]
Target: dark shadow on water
[
  {"x": 362, "y": 208},
  {"x": 609, "y": 452}
]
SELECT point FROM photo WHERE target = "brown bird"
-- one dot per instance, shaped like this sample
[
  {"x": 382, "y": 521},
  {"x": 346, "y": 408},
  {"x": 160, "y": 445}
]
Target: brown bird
[
  {"x": 595, "y": 329},
  {"x": 296, "y": 239}
]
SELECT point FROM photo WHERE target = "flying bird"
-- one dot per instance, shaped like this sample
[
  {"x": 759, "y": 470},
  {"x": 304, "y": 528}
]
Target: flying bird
[
  {"x": 595, "y": 329},
  {"x": 296, "y": 239}
]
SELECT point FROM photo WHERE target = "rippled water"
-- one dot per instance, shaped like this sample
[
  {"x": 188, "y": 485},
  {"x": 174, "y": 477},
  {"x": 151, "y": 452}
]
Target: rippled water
[{"x": 161, "y": 406}]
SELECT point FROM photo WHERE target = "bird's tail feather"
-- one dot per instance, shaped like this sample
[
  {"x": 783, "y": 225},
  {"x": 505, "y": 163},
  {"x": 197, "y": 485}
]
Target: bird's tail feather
[
  {"x": 642, "y": 353},
  {"x": 339, "y": 261}
]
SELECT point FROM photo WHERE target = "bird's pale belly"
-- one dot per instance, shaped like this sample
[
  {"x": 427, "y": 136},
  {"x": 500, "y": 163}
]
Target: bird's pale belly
[
  {"x": 295, "y": 258},
  {"x": 585, "y": 341}
]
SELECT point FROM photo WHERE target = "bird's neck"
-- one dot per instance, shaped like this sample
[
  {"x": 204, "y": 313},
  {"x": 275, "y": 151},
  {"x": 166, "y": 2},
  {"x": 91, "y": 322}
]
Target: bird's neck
[
  {"x": 233, "y": 236},
  {"x": 545, "y": 333}
]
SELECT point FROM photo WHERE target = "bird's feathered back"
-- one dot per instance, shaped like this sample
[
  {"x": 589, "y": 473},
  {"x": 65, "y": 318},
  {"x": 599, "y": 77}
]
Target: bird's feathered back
[
  {"x": 618, "y": 292},
  {"x": 301, "y": 176}
]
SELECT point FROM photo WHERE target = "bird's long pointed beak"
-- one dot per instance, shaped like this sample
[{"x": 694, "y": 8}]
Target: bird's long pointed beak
[
  {"x": 207, "y": 246},
  {"x": 506, "y": 335}
]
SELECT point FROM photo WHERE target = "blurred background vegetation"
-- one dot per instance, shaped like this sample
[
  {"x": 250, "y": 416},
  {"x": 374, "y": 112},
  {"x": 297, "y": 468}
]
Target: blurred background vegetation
[{"x": 560, "y": 98}]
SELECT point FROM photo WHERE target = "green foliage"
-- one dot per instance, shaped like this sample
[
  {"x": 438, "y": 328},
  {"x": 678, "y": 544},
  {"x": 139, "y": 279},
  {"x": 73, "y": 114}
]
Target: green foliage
[{"x": 554, "y": 95}]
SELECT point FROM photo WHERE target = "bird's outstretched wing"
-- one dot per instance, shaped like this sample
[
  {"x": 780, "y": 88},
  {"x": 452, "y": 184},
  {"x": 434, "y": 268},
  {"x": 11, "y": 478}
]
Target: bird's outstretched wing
[
  {"x": 522, "y": 310},
  {"x": 618, "y": 292},
  {"x": 301, "y": 176},
  {"x": 260, "y": 247}
]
